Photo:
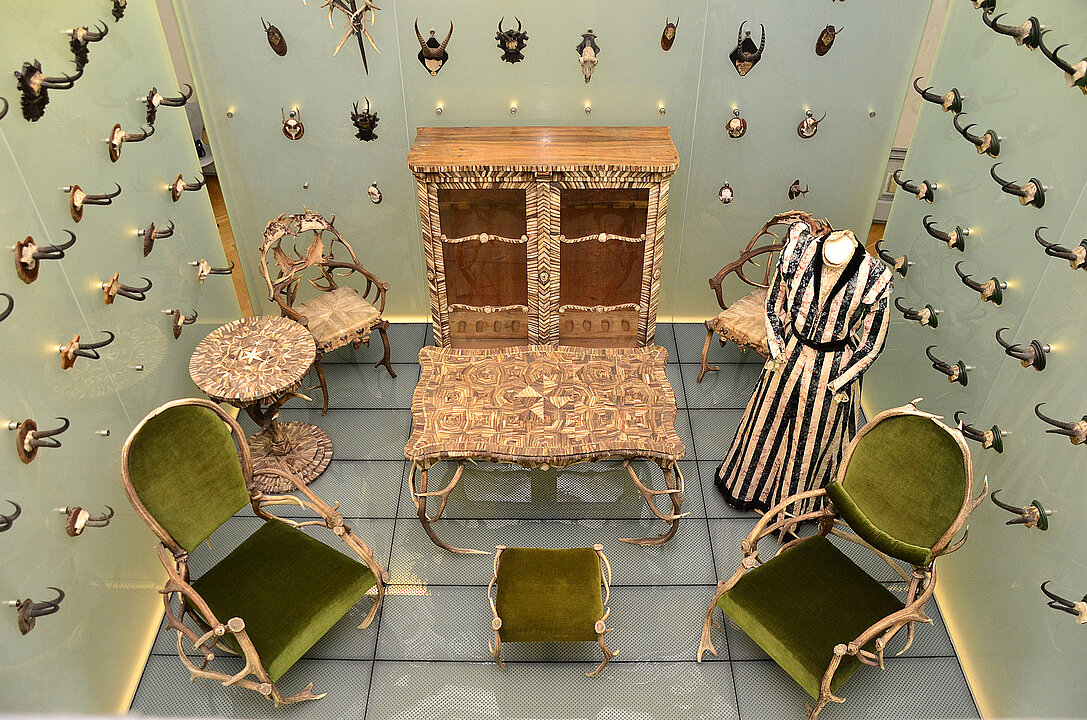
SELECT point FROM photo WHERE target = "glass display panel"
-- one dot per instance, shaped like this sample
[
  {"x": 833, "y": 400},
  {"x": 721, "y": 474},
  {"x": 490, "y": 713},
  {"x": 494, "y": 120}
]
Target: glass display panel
[
  {"x": 621, "y": 211},
  {"x": 493, "y": 273},
  {"x": 464, "y": 212},
  {"x": 600, "y": 273}
]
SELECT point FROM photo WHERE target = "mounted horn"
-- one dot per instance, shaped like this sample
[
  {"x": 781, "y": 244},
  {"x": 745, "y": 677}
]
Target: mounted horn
[
  {"x": 1076, "y": 257},
  {"x": 991, "y": 438},
  {"x": 29, "y": 610},
  {"x": 28, "y": 438},
  {"x": 432, "y": 54},
  {"x": 151, "y": 233},
  {"x": 951, "y": 101},
  {"x": 6, "y": 106},
  {"x": 984, "y": 4},
  {"x": 118, "y": 137},
  {"x": 1074, "y": 75},
  {"x": 118, "y": 11},
  {"x": 900, "y": 264},
  {"x": 113, "y": 287},
  {"x": 955, "y": 373},
  {"x": 1078, "y": 609},
  {"x": 27, "y": 255},
  {"x": 34, "y": 86},
  {"x": 179, "y": 320},
  {"x": 988, "y": 143},
  {"x": 204, "y": 269},
  {"x": 1030, "y": 356},
  {"x": 81, "y": 38},
  {"x": 927, "y": 315},
  {"x": 78, "y": 519},
  {"x": 77, "y": 199},
  {"x": 992, "y": 290},
  {"x": 955, "y": 240},
  {"x": 1076, "y": 432},
  {"x": 154, "y": 99},
  {"x": 809, "y": 125},
  {"x": 1031, "y": 192},
  {"x": 1033, "y": 515},
  {"x": 1029, "y": 33},
  {"x": 11, "y": 306},
  {"x": 924, "y": 190},
  {"x": 6, "y": 521},
  {"x": 73, "y": 349},
  {"x": 179, "y": 186}
]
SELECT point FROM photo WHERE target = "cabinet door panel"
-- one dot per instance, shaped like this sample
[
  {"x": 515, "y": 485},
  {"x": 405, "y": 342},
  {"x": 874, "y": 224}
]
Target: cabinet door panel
[{"x": 591, "y": 211}]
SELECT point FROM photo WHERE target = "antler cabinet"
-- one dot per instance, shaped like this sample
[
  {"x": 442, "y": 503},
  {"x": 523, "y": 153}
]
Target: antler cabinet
[{"x": 543, "y": 235}]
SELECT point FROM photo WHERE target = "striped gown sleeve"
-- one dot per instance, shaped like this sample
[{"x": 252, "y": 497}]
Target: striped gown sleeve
[
  {"x": 873, "y": 333},
  {"x": 777, "y": 297}
]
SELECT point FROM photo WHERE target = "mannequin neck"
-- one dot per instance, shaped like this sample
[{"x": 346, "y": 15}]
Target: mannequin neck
[{"x": 839, "y": 247}]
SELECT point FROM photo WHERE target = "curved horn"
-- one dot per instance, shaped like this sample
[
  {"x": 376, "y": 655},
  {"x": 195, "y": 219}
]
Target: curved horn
[
  {"x": 1003, "y": 505},
  {"x": 968, "y": 430},
  {"x": 47, "y": 438},
  {"x": 447, "y": 37},
  {"x": 198, "y": 184},
  {"x": 1009, "y": 348},
  {"x": 519, "y": 22},
  {"x": 1006, "y": 185},
  {"x": 167, "y": 232},
  {"x": 908, "y": 313},
  {"x": 54, "y": 252},
  {"x": 740, "y": 33},
  {"x": 180, "y": 100},
  {"x": 47, "y": 607},
  {"x": 6, "y": 106},
  {"x": 1062, "y": 428},
  {"x": 66, "y": 82},
  {"x": 925, "y": 94},
  {"x": 938, "y": 234},
  {"x": 1053, "y": 249},
  {"x": 103, "y": 199},
  {"x": 900, "y": 264},
  {"x": 937, "y": 362},
  {"x": 90, "y": 350},
  {"x": 422, "y": 42},
  {"x": 6, "y": 521},
  {"x": 500, "y": 30},
  {"x": 10, "y": 307},
  {"x": 954, "y": 239},
  {"x": 1059, "y": 603},
  {"x": 1053, "y": 55},
  {"x": 367, "y": 105},
  {"x": 100, "y": 520},
  {"x": 135, "y": 293},
  {"x": 906, "y": 185},
  {"x": 973, "y": 285},
  {"x": 137, "y": 137},
  {"x": 993, "y": 23},
  {"x": 762, "y": 45},
  {"x": 89, "y": 36}
]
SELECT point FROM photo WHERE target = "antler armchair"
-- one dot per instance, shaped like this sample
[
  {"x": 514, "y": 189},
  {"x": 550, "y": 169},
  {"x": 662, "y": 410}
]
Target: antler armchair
[
  {"x": 338, "y": 315},
  {"x": 186, "y": 470}
]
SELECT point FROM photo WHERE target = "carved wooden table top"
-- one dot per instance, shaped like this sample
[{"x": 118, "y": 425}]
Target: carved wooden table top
[{"x": 543, "y": 404}]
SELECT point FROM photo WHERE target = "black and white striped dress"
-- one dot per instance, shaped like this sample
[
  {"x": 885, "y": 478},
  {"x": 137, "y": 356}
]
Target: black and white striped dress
[{"x": 793, "y": 432}]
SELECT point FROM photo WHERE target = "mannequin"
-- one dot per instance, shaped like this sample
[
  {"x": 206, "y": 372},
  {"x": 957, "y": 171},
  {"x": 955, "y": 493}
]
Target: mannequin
[{"x": 826, "y": 322}]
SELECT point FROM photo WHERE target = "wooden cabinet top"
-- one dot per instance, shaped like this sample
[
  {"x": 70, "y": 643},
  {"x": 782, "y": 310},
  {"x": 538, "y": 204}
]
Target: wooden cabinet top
[{"x": 631, "y": 149}]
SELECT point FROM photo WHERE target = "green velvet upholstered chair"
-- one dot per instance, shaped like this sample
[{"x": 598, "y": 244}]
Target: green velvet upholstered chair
[
  {"x": 905, "y": 489},
  {"x": 550, "y": 596},
  {"x": 186, "y": 469}
]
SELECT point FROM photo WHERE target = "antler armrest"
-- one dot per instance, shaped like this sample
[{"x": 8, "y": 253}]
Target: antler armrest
[
  {"x": 372, "y": 280},
  {"x": 737, "y": 267},
  {"x": 770, "y": 523}
]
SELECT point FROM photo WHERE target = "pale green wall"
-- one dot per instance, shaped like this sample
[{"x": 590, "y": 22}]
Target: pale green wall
[
  {"x": 87, "y": 658},
  {"x": 1023, "y": 659}
]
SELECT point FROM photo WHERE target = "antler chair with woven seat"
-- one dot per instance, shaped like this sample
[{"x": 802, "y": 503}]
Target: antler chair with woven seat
[
  {"x": 905, "y": 487},
  {"x": 186, "y": 470},
  {"x": 337, "y": 315},
  {"x": 744, "y": 322}
]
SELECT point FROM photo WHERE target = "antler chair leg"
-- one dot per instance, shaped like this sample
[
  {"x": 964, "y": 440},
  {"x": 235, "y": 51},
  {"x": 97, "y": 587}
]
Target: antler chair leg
[
  {"x": 387, "y": 359},
  {"x": 706, "y": 367},
  {"x": 324, "y": 386}
]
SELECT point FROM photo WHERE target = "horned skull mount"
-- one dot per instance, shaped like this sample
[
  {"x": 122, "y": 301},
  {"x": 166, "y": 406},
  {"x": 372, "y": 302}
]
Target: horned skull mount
[
  {"x": 80, "y": 41},
  {"x": 991, "y": 438},
  {"x": 1031, "y": 192},
  {"x": 1076, "y": 257},
  {"x": 151, "y": 233},
  {"x": 927, "y": 315},
  {"x": 990, "y": 291},
  {"x": 924, "y": 190},
  {"x": 34, "y": 86},
  {"x": 1078, "y": 609},
  {"x": 119, "y": 9},
  {"x": 725, "y": 194},
  {"x": 11, "y": 306},
  {"x": 118, "y": 137},
  {"x": 825, "y": 40},
  {"x": 432, "y": 54},
  {"x": 356, "y": 19},
  {"x": 736, "y": 125},
  {"x": 78, "y": 519},
  {"x": 365, "y": 122},
  {"x": 1031, "y": 356},
  {"x": 984, "y": 4},
  {"x": 29, "y": 611},
  {"x": 28, "y": 438},
  {"x": 1074, "y": 75},
  {"x": 900, "y": 264},
  {"x": 668, "y": 36},
  {"x": 1076, "y": 432},
  {"x": 795, "y": 191},
  {"x": 6, "y": 521},
  {"x": 275, "y": 38},
  {"x": 78, "y": 200},
  {"x": 179, "y": 321},
  {"x": 511, "y": 42},
  {"x": 1029, "y": 516},
  {"x": 955, "y": 240},
  {"x": 746, "y": 55},
  {"x": 73, "y": 350},
  {"x": 179, "y": 186},
  {"x": 27, "y": 255},
  {"x": 587, "y": 51},
  {"x": 153, "y": 100},
  {"x": 374, "y": 192},
  {"x": 1029, "y": 33},
  {"x": 987, "y": 143},
  {"x": 293, "y": 129},
  {"x": 114, "y": 287},
  {"x": 955, "y": 373},
  {"x": 951, "y": 101},
  {"x": 809, "y": 125},
  {"x": 204, "y": 270}
]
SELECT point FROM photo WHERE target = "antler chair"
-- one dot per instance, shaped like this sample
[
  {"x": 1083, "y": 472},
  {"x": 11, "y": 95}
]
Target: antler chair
[
  {"x": 905, "y": 486},
  {"x": 744, "y": 322},
  {"x": 337, "y": 315},
  {"x": 186, "y": 469}
]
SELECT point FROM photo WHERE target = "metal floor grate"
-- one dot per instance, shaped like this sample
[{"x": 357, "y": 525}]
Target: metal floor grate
[{"x": 426, "y": 655}]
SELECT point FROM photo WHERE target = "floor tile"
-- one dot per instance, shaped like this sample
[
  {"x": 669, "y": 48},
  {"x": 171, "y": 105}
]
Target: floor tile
[
  {"x": 716, "y": 506},
  {"x": 689, "y": 341},
  {"x": 731, "y": 387},
  {"x": 352, "y": 386},
  {"x": 713, "y": 431},
  {"x": 667, "y": 339},
  {"x": 672, "y": 371},
  {"x": 364, "y": 489}
]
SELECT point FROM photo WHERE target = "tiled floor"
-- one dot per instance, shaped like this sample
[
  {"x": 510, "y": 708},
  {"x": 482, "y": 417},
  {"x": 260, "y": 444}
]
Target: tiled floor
[{"x": 426, "y": 656}]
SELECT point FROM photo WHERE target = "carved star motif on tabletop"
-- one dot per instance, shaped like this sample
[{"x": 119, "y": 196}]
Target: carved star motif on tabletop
[{"x": 537, "y": 402}]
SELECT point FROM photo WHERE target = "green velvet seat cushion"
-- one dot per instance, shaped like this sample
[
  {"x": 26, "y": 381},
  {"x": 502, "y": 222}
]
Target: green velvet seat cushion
[
  {"x": 288, "y": 588},
  {"x": 549, "y": 595},
  {"x": 185, "y": 468},
  {"x": 802, "y": 603}
]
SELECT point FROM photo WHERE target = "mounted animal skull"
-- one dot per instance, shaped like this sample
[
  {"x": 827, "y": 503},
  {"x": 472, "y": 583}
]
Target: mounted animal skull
[
  {"x": 119, "y": 9},
  {"x": 179, "y": 321},
  {"x": 825, "y": 40},
  {"x": 151, "y": 233},
  {"x": 179, "y": 186},
  {"x": 77, "y": 199},
  {"x": 365, "y": 122},
  {"x": 955, "y": 240},
  {"x": 118, "y": 137},
  {"x": 795, "y": 191},
  {"x": 28, "y": 438},
  {"x": 955, "y": 373},
  {"x": 374, "y": 192},
  {"x": 993, "y": 290},
  {"x": 293, "y": 129},
  {"x": 1078, "y": 609},
  {"x": 204, "y": 270},
  {"x": 1029, "y": 516},
  {"x": 668, "y": 36},
  {"x": 275, "y": 38},
  {"x": 1076, "y": 432},
  {"x": 1031, "y": 192},
  {"x": 1074, "y": 75},
  {"x": 900, "y": 264},
  {"x": 746, "y": 55},
  {"x": 29, "y": 611},
  {"x": 809, "y": 125},
  {"x": 511, "y": 42},
  {"x": 1029, "y": 33},
  {"x": 81, "y": 38},
  {"x": 991, "y": 438},
  {"x": 988, "y": 143},
  {"x": 736, "y": 125},
  {"x": 113, "y": 287},
  {"x": 927, "y": 315},
  {"x": 432, "y": 54},
  {"x": 79, "y": 519},
  {"x": 27, "y": 255},
  {"x": 951, "y": 101},
  {"x": 154, "y": 99},
  {"x": 73, "y": 349},
  {"x": 587, "y": 50},
  {"x": 1076, "y": 257},
  {"x": 34, "y": 86},
  {"x": 1031, "y": 356},
  {"x": 923, "y": 191},
  {"x": 725, "y": 194}
]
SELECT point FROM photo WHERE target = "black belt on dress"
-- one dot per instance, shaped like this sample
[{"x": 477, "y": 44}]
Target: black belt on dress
[{"x": 832, "y": 346}]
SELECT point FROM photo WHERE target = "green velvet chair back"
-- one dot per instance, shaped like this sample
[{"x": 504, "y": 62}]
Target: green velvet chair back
[
  {"x": 183, "y": 466},
  {"x": 904, "y": 485}
]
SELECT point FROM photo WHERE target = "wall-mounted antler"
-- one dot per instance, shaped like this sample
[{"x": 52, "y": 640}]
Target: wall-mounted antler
[
  {"x": 113, "y": 287},
  {"x": 28, "y": 438},
  {"x": 81, "y": 38},
  {"x": 954, "y": 373},
  {"x": 1078, "y": 609},
  {"x": 924, "y": 190},
  {"x": 1074, "y": 75},
  {"x": 432, "y": 54},
  {"x": 118, "y": 137},
  {"x": 151, "y": 233},
  {"x": 1031, "y": 356},
  {"x": 179, "y": 186},
  {"x": 988, "y": 143},
  {"x": 991, "y": 290},
  {"x": 1076, "y": 432},
  {"x": 73, "y": 349},
  {"x": 179, "y": 320},
  {"x": 1031, "y": 192},
  {"x": 118, "y": 11},
  {"x": 154, "y": 99},
  {"x": 6, "y": 521},
  {"x": 955, "y": 240},
  {"x": 991, "y": 438},
  {"x": 6, "y": 106},
  {"x": 204, "y": 269},
  {"x": 29, "y": 610},
  {"x": 1033, "y": 515},
  {"x": 34, "y": 85},
  {"x": 927, "y": 315},
  {"x": 77, "y": 199},
  {"x": 10, "y": 306},
  {"x": 1029, "y": 33},
  {"x": 1076, "y": 257},
  {"x": 900, "y": 264},
  {"x": 949, "y": 101},
  {"x": 78, "y": 519},
  {"x": 28, "y": 253}
]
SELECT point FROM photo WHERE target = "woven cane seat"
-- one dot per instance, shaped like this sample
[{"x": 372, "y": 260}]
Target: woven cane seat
[
  {"x": 339, "y": 317},
  {"x": 744, "y": 322}
]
